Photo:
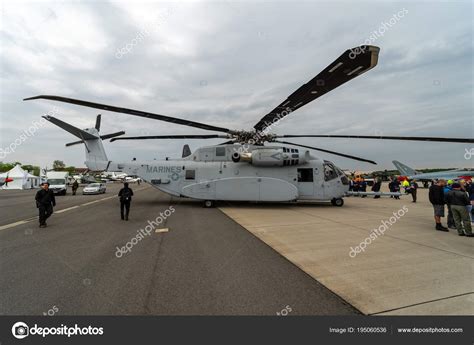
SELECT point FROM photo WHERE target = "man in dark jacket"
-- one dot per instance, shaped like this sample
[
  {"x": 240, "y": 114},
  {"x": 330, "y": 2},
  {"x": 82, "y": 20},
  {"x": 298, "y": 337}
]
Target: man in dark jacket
[
  {"x": 436, "y": 196},
  {"x": 394, "y": 187},
  {"x": 376, "y": 186},
  {"x": 125, "y": 195},
  {"x": 44, "y": 202},
  {"x": 458, "y": 200}
]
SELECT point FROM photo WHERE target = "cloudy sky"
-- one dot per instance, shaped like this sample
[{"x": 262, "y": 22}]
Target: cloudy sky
[{"x": 229, "y": 63}]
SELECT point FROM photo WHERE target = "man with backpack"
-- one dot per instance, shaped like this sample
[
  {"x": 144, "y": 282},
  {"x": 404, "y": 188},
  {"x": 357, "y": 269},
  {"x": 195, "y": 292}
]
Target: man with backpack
[{"x": 125, "y": 195}]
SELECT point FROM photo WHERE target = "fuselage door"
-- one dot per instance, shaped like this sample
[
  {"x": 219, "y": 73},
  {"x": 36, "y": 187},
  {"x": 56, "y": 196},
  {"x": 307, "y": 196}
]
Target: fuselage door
[{"x": 305, "y": 181}]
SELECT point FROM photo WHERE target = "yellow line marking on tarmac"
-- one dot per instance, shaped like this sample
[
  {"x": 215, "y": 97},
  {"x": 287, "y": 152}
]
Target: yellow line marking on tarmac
[
  {"x": 11, "y": 225},
  {"x": 99, "y": 200},
  {"x": 67, "y": 209},
  {"x": 21, "y": 222},
  {"x": 162, "y": 230}
]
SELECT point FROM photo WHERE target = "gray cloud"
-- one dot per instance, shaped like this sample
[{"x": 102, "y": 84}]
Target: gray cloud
[{"x": 229, "y": 63}]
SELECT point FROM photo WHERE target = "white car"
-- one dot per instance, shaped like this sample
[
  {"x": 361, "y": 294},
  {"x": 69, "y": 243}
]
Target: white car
[{"x": 94, "y": 188}]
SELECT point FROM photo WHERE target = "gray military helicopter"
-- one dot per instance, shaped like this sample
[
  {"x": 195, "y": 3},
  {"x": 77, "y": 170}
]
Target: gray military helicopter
[{"x": 243, "y": 168}]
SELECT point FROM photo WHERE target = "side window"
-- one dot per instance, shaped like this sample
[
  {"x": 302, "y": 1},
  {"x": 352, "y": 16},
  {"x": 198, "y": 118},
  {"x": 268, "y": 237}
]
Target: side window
[
  {"x": 305, "y": 175},
  {"x": 220, "y": 151},
  {"x": 190, "y": 174},
  {"x": 330, "y": 172}
]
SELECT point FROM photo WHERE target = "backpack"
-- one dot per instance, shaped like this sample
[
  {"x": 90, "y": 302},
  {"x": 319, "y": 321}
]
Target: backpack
[{"x": 126, "y": 194}]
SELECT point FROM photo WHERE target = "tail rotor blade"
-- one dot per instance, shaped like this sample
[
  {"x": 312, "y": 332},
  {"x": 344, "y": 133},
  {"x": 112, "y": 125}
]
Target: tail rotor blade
[
  {"x": 75, "y": 143},
  {"x": 103, "y": 137},
  {"x": 112, "y": 135}
]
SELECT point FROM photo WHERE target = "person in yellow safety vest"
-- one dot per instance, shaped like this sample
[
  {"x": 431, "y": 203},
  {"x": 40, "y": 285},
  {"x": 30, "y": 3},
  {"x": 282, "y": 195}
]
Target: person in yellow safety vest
[{"x": 406, "y": 186}]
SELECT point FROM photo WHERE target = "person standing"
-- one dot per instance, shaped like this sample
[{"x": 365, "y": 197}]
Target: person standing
[
  {"x": 458, "y": 200},
  {"x": 376, "y": 186},
  {"x": 470, "y": 191},
  {"x": 436, "y": 197},
  {"x": 45, "y": 201},
  {"x": 396, "y": 187},
  {"x": 363, "y": 187},
  {"x": 413, "y": 190},
  {"x": 446, "y": 189},
  {"x": 75, "y": 186},
  {"x": 125, "y": 195}
]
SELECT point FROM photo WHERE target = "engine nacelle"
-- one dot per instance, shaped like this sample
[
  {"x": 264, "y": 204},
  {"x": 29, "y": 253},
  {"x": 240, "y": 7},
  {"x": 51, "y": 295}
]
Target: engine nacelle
[{"x": 271, "y": 157}]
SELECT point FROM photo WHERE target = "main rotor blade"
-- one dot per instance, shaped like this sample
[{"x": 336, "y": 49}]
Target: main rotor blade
[
  {"x": 227, "y": 142},
  {"x": 327, "y": 151},
  {"x": 192, "y": 136},
  {"x": 131, "y": 112},
  {"x": 382, "y": 137},
  {"x": 352, "y": 63}
]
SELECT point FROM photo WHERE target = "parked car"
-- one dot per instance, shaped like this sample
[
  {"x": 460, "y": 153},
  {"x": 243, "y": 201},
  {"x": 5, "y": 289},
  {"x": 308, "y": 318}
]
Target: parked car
[{"x": 94, "y": 188}]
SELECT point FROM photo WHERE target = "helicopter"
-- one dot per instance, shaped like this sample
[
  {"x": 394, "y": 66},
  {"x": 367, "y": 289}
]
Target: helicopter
[{"x": 243, "y": 168}]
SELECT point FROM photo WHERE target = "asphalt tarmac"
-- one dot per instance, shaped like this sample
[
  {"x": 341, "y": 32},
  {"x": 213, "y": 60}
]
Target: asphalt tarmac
[{"x": 205, "y": 264}]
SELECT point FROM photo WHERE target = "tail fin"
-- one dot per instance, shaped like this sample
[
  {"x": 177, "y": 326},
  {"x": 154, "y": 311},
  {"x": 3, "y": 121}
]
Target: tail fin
[
  {"x": 404, "y": 170},
  {"x": 96, "y": 158}
]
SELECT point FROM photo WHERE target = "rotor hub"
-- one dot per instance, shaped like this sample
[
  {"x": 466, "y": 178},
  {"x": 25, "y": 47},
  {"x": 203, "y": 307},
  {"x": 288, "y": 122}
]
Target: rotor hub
[{"x": 252, "y": 137}]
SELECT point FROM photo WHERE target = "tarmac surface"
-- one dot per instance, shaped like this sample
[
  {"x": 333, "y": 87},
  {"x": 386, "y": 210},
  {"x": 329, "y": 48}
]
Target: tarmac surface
[
  {"x": 205, "y": 264},
  {"x": 408, "y": 269}
]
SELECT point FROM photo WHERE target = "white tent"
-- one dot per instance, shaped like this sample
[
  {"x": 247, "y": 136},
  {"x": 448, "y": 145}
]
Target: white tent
[{"x": 21, "y": 179}]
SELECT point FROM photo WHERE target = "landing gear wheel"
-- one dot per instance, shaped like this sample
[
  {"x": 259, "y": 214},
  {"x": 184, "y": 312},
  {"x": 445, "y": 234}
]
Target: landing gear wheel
[
  {"x": 337, "y": 202},
  {"x": 209, "y": 203}
]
